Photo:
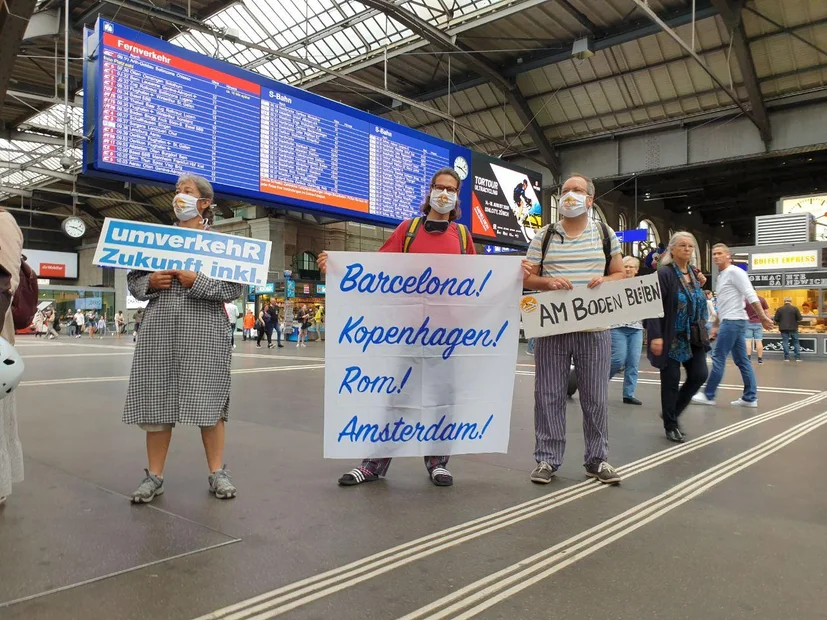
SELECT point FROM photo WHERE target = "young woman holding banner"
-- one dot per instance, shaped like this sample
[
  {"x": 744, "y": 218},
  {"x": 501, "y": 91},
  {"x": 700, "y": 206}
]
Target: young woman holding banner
[
  {"x": 436, "y": 233},
  {"x": 181, "y": 369}
]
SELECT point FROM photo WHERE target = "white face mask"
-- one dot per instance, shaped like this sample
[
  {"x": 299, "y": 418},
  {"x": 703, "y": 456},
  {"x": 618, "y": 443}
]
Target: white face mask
[
  {"x": 185, "y": 207},
  {"x": 442, "y": 202},
  {"x": 573, "y": 204}
]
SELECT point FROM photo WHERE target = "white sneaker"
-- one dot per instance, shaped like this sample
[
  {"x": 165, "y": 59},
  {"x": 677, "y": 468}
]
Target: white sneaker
[
  {"x": 745, "y": 403},
  {"x": 298, "y": 344},
  {"x": 701, "y": 399}
]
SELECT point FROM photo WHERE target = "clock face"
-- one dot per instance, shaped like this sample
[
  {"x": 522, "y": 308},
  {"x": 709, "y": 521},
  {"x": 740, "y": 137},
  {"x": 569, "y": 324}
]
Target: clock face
[
  {"x": 815, "y": 205},
  {"x": 74, "y": 227},
  {"x": 461, "y": 167}
]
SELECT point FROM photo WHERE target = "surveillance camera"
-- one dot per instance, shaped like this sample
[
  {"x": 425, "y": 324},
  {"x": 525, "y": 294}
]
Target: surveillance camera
[{"x": 67, "y": 161}]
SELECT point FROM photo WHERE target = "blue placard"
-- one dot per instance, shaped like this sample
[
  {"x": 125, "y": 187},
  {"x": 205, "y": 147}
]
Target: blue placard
[
  {"x": 290, "y": 289},
  {"x": 154, "y": 110},
  {"x": 632, "y": 236}
]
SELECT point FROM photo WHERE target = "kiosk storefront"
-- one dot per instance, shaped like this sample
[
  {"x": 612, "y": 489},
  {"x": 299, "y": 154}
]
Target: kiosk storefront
[{"x": 797, "y": 271}]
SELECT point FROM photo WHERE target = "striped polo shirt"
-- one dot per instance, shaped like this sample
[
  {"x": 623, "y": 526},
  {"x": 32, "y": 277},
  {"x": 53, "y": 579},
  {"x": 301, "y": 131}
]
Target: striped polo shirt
[{"x": 578, "y": 258}]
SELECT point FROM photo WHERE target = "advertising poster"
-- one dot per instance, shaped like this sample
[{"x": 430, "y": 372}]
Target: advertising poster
[{"x": 506, "y": 202}]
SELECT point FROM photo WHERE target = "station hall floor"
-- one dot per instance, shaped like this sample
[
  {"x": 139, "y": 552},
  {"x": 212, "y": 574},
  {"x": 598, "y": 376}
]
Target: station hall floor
[{"x": 732, "y": 524}]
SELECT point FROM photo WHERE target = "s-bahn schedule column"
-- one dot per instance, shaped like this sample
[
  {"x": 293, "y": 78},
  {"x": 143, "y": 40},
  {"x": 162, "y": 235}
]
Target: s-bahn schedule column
[
  {"x": 313, "y": 153},
  {"x": 165, "y": 114},
  {"x": 401, "y": 168}
]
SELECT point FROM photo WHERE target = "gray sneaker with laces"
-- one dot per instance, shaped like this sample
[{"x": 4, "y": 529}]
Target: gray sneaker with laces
[
  {"x": 604, "y": 472},
  {"x": 220, "y": 484},
  {"x": 151, "y": 486},
  {"x": 543, "y": 473}
]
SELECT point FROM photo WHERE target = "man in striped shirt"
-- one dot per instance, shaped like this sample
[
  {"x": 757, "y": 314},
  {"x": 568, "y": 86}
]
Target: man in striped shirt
[{"x": 581, "y": 252}]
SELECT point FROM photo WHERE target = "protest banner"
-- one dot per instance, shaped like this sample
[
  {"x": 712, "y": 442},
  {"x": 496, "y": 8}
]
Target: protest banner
[
  {"x": 581, "y": 309},
  {"x": 420, "y": 355},
  {"x": 156, "y": 247}
]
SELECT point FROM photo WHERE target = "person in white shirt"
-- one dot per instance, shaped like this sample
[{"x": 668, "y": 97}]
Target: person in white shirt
[
  {"x": 80, "y": 321},
  {"x": 731, "y": 288},
  {"x": 232, "y": 317}
]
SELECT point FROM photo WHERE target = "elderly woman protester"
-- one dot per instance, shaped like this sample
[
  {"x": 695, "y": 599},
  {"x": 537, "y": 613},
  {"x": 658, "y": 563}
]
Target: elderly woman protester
[
  {"x": 679, "y": 338},
  {"x": 181, "y": 368},
  {"x": 627, "y": 344},
  {"x": 435, "y": 233}
]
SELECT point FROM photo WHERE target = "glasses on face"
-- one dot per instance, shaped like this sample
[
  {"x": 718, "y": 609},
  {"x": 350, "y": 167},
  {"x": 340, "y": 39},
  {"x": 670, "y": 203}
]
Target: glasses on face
[
  {"x": 445, "y": 188},
  {"x": 685, "y": 246}
]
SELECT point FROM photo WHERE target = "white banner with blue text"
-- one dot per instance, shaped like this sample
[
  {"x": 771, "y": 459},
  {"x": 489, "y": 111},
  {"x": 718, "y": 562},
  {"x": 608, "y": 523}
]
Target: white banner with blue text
[
  {"x": 581, "y": 309},
  {"x": 157, "y": 247},
  {"x": 420, "y": 354}
]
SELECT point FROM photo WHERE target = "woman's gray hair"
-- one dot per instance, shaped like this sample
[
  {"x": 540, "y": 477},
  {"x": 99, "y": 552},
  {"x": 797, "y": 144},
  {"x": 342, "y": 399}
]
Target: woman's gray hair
[
  {"x": 204, "y": 189},
  {"x": 632, "y": 259},
  {"x": 673, "y": 241}
]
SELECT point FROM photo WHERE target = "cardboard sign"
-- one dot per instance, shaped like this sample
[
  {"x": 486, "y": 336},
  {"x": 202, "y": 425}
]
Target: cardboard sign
[
  {"x": 582, "y": 309},
  {"x": 156, "y": 247},
  {"x": 420, "y": 354}
]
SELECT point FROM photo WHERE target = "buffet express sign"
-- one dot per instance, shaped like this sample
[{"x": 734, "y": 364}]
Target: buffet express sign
[{"x": 784, "y": 260}]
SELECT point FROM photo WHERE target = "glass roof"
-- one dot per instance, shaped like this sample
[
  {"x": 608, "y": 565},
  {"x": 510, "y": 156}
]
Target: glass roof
[{"x": 326, "y": 32}]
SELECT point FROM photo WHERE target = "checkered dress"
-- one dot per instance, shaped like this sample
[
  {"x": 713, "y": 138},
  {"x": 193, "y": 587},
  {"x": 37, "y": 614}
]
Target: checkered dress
[{"x": 181, "y": 369}]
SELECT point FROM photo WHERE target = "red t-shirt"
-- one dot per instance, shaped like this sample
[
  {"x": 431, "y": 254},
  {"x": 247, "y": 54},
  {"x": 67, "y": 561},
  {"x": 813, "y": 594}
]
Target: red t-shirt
[
  {"x": 426, "y": 242},
  {"x": 753, "y": 318}
]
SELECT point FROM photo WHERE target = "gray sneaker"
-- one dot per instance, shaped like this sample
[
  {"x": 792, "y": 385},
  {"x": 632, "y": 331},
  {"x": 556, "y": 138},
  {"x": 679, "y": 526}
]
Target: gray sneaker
[
  {"x": 149, "y": 488},
  {"x": 543, "y": 473},
  {"x": 604, "y": 472},
  {"x": 220, "y": 484}
]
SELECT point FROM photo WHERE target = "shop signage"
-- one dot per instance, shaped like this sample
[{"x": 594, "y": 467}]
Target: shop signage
[
  {"x": 306, "y": 289},
  {"x": 496, "y": 249},
  {"x": 266, "y": 289},
  {"x": 52, "y": 264},
  {"x": 290, "y": 289},
  {"x": 806, "y": 279},
  {"x": 420, "y": 356},
  {"x": 797, "y": 279},
  {"x": 320, "y": 289},
  {"x": 802, "y": 259}
]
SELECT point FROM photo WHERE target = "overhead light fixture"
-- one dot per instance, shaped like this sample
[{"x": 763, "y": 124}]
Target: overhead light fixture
[{"x": 582, "y": 48}]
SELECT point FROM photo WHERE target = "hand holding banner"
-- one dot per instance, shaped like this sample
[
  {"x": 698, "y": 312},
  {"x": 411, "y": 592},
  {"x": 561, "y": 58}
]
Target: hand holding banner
[
  {"x": 157, "y": 247},
  {"x": 421, "y": 351},
  {"x": 582, "y": 309}
]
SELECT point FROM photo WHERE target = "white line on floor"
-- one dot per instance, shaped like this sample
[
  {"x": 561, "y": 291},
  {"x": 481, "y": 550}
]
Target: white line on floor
[
  {"x": 723, "y": 386},
  {"x": 236, "y": 371},
  {"x": 517, "y": 577},
  {"x": 302, "y": 592},
  {"x": 54, "y": 356}
]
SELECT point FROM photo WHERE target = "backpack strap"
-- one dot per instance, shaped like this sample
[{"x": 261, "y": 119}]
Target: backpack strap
[
  {"x": 546, "y": 241},
  {"x": 606, "y": 238},
  {"x": 463, "y": 238},
  {"x": 413, "y": 228}
]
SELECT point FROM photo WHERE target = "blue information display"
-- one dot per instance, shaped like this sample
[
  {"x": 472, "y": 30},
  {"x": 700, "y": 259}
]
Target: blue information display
[{"x": 155, "y": 111}]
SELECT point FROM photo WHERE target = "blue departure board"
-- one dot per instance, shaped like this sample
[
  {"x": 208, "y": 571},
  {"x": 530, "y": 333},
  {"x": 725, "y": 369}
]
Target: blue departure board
[{"x": 154, "y": 111}]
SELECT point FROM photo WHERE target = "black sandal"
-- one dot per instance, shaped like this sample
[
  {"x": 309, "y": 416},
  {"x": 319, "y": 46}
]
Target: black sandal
[
  {"x": 441, "y": 477},
  {"x": 357, "y": 476}
]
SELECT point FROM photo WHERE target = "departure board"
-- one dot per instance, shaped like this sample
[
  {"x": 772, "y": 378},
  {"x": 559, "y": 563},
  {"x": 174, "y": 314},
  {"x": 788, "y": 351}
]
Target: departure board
[{"x": 155, "y": 111}]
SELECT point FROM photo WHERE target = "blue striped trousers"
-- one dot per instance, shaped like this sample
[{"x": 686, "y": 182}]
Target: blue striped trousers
[{"x": 592, "y": 353}]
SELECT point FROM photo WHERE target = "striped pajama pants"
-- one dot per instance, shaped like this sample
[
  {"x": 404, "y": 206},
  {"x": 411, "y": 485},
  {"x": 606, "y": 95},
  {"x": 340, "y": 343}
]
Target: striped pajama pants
[
  {"x": 380, "y": 466},
  {"x": 592, "y": 353}
]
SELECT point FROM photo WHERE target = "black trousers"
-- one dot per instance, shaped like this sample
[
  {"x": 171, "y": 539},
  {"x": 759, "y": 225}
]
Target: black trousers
[
  {"x": 267, "y": 330},
  {"x": 674, "y": 397}
]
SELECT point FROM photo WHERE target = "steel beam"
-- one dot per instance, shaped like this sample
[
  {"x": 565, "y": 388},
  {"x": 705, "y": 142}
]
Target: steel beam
[
  {"x": 730, "y": 12},
  {"x": 507, "y": 87},
  {"x": 644, "y": 6},
  {"x": 63, "y": 176},
  {"x": 578, "y": 15},
  {"x": 14, "y": 18}
]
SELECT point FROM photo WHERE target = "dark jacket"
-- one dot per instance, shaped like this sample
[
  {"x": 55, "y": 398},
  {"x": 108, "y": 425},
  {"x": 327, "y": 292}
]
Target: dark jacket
[
  {"x": 787, "y": 317},
  {"x": 664, "y": 327}
]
